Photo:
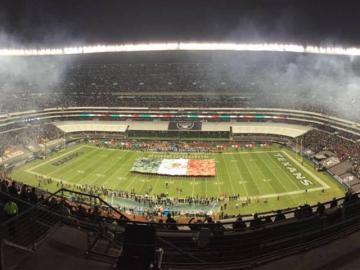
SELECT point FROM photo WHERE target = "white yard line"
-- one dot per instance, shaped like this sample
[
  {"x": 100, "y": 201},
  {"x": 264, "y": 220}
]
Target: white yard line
[
  {"x": 240, "y": 176},
  {"x": 275, "y": 178},
  {"x": 320, "y": 181},
  {"x": 229, "y": 177},
  {"x": 265, "y": 196},
  {"x": 274, "y": 195},
  {"x": 284, "y": 172},
  {"x": 253, "y": 179},
  {"x": 250, "y": 152},
  {"x": 112, "y": 177},
  {"x": 53, "y": 178},
  {"x": 206, "y": 187},
  {"x": 59, "y": 168},
  {"x": 217, "y": 179}
]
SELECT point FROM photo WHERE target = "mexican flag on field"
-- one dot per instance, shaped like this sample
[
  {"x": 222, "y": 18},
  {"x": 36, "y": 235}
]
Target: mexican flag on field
[{"x": 179, "y": 166}]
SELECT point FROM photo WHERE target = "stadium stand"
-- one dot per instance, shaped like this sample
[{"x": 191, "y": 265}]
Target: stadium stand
[
  {"x": 165, "y": 80},
  {"x": 69, "y": 127},
  {"x": 292, "y": 131},
  {"x": 259, "y": 239}
]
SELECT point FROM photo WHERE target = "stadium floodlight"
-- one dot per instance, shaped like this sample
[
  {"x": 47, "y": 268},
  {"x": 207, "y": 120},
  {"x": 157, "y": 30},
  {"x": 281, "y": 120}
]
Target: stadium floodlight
[
  {"x": 73, "y": 50},
  {"x": 184, "y": 46}
]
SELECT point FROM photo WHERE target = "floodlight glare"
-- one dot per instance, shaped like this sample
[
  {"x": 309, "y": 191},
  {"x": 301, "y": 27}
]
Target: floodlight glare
[{"x": 184, "y": 46}]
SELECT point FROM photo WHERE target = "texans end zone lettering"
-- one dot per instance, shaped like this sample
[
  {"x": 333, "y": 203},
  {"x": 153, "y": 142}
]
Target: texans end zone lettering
[{"x": 298, "y": 175}]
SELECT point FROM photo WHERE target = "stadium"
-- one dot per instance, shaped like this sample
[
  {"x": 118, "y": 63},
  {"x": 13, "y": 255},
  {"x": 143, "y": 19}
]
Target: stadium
[
  {"x": 176, "y": 135},
  {"x": 142, "y": 152}
]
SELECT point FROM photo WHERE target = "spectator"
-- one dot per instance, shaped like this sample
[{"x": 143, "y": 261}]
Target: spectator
[
  {"x": 333, "y": 203},
  {"x": 209, "y": 220},
  {"x": 171, "y": 222},
  {"x": 268, "y": 220},
  {"x": 23, "y": 193},
  {"x": 10, "y": 209},
  {"x": 195, "y": 226},
  {"x": 4, "y": 186},
  {"x": 239, "y": 224},
  {"x": 32, "y": 196},
  {"x": 279, "y": 216},
  {"x": 255, "y": 222},
  {"x": 306, "y": 210},
  {"x": 13, "y": 190},
  {"x": 320, "y": 210},
  {"x": 350, "y": 198},
  {"x": 218, "y": 229}
]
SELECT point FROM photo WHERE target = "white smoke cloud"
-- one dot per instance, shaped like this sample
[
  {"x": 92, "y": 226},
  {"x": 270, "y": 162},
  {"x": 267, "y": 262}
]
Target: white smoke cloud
[
  {"x": 274, "y": 79},
  {"x": 320, "y": 82},
  {"x": 20, "y": 76}
]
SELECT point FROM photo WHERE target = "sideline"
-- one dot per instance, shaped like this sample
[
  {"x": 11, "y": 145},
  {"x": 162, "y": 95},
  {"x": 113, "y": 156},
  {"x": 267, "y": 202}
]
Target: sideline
[{"x": 265, "y": 196}]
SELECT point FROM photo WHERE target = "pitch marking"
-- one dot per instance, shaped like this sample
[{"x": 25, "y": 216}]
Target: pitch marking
[{"x": 324, "y": 185}]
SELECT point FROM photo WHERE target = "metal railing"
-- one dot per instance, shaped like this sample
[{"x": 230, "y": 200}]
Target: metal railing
[
  {"x": 86, "y": 199},
  {"x": 112, "y": 214},
  {"x": 35, "y": 222}
]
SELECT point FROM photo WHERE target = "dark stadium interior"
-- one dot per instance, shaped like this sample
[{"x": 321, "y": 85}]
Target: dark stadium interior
[{"x": 294, "y": 88}]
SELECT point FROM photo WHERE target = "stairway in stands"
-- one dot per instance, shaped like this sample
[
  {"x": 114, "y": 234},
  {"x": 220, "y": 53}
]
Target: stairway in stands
[
  {"x": 103, "y": 248},
  {"x": 30, "y": 227}
]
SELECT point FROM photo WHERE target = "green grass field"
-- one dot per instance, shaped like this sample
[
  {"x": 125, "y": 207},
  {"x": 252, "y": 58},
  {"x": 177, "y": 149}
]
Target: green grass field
[{"x": 272, "y": 178}]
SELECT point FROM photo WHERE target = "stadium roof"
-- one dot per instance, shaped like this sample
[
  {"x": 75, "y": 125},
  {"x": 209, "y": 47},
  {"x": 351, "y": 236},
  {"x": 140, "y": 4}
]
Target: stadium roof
[{"x": 113, "y": 21}]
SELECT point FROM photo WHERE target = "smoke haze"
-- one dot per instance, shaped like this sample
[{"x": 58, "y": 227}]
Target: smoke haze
[
  {"x": 273, "y": 79},
  {"x": 294, "y": 80}
]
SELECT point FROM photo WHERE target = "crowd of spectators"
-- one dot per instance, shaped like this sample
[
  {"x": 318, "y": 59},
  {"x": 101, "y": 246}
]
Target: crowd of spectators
[
  {"x": 319, "y": 140},
  {"x": 31, "y": 101},
  {"x": 152, "y": 205},
  {"x": 173, "y": 146},
  {"x": 25, "y": 194},
  {"x": 83, "y": 209},
  {"x": 28, "y": 135},
  {"x": 158, "y": 85}
]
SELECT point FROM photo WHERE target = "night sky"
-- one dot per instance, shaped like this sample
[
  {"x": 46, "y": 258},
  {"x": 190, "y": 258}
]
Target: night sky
[{"x": 52, "y": 22}]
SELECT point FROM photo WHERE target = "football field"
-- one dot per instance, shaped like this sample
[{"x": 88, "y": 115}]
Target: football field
[{"x": 270, "y": 178}]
